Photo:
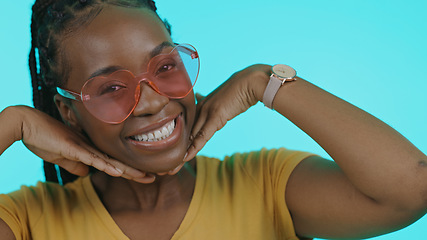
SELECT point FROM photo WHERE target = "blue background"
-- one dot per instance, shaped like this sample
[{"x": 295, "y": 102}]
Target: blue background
[{"x": 372, "y": 53}]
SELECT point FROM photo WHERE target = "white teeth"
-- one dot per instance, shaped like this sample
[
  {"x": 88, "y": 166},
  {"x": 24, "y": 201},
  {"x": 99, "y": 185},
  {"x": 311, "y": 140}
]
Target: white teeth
[
  {"x": 164, "y": 131},
  {"x": 150, "y": 137},
  {"x": 158, "y": 134},
  {"x": 144, "y": 138}
]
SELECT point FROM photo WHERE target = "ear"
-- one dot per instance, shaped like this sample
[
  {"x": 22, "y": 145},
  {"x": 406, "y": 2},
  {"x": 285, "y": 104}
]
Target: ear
[{"x": 67, "y": 112}]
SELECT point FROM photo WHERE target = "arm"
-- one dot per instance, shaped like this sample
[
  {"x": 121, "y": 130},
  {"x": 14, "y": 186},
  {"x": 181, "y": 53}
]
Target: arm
[
  {"x": 378, "y": 160},
  {"x": 5, "y": 231},
  {"x": 57, "y": 143},
  {"x": 10, "y": 129},
  {"x": 54, "y": 142},
  {"x": 381, "y": 182}
]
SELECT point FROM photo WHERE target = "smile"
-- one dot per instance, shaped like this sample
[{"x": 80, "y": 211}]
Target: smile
[
  {"x": 166, "y": 134},
  {"x": 157, "y": 135}
]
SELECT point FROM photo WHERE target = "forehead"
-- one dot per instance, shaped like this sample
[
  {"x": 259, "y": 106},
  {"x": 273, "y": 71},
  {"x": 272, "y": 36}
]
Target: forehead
[{"x": 118, "y": 36}]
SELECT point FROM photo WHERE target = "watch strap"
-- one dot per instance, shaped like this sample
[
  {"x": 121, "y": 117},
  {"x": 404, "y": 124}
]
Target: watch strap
[{"x": 271, "y": 90}]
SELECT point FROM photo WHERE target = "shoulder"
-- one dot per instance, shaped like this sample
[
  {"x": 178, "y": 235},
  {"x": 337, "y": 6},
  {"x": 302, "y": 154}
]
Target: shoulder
[
  {"x": 22, "y": 210},
  {"x": 263, "y": 155},
  {"x": 250, "y": 184},
  {"x": 46, "y": 190},
  {"x": 267, "y": 159},
  {"x": 264, "y": 163},
  {"x": 32, "y": 194},
  {"x": 33, "y": 200}
]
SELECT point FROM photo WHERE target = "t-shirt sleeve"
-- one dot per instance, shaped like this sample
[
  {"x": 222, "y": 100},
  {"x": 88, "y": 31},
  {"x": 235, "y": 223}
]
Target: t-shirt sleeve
[
  {"x": 270, "y": 170},
  {"x": 14, "y": 210}
]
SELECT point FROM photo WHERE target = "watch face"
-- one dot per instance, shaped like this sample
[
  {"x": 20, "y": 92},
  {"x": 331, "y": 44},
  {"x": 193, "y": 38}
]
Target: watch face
[{"x": 283, "y": 71}]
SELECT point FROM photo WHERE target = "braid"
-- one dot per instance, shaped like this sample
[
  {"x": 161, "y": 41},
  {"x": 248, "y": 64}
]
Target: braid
[
  {"x": 39, "y": 88},
  {"x": 51, "y": 19}
]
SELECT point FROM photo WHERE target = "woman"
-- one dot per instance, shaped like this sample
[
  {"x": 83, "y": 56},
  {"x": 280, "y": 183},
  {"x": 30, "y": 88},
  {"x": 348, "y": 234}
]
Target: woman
[{"x": 378, "y": 187}]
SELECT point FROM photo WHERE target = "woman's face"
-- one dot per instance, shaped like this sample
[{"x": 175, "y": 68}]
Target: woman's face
[{"x": 126, "y": 38}]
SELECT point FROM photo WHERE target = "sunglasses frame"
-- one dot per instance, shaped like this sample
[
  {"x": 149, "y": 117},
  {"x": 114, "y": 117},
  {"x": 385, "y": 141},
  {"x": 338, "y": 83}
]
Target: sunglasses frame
[{"x": 80, "y": 97}]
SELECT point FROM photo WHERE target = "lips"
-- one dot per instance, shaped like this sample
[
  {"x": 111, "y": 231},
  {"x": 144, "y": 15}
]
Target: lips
[{"x": 158, "y": 136}]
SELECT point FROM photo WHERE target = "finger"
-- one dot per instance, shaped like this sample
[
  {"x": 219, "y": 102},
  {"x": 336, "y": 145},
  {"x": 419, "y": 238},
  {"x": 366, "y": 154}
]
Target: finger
[
  {"x": 91, "y": 157},
  {"x": 191, "y": 153},
  {"x": 203, "y": 135},
  {"x": 200, "y": 121},
  {"x": 177, "y": 169},
  {"x": 114, "y": 167},
  {"x": 76, "y": 168},
  {"x": 172, "y": 172},
  {"x": 125, "y": 169},
  {"x": 148, "y": 178},
  {"x": 144, "y": 178},
  {"x": 199, "y": 97}
]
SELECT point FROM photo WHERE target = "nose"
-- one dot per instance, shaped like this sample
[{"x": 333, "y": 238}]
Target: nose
[{"x": 150, "y": 102}]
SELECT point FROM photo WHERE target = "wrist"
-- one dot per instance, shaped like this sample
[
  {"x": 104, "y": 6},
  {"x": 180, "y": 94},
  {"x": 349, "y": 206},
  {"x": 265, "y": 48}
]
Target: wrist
[
  {"x": 10, "y": 127},
  {"x": 13, "y": 120},
  {"x": 259, "y": 81},
  {"x": 281, "y": 73}
]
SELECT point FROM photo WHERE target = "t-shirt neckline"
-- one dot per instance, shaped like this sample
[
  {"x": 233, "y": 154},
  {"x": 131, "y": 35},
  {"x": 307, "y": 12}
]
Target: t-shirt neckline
[{"x": 111, "y": 225}]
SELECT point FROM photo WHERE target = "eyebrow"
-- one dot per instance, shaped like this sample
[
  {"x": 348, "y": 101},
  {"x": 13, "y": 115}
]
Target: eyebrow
[
  {"x": 110, "y": 69},
  {"x": 157, "y": 50}
]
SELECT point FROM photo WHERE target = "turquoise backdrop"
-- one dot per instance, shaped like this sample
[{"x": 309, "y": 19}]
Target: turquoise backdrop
[{"x": 372, "y": 53}]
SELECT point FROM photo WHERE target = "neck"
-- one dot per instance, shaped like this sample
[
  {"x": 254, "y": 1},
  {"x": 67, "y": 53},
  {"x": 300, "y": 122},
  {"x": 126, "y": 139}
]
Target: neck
[{"x": 120, "y": 194}]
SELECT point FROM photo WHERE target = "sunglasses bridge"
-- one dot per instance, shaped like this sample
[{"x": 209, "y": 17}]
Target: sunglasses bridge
[{"x": 149, "y": 83}]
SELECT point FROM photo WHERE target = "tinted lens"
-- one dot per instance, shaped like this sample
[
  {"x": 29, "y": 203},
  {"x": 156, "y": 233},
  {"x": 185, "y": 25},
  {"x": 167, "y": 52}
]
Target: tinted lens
[
  {"x": 112, "y": 98},
  {"x": 175, "y": 74}
]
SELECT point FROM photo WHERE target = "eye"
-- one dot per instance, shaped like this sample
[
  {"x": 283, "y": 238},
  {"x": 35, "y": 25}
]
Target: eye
[
  {"x": 165, "y": 68},
  {"x": 111, "y": 87}
]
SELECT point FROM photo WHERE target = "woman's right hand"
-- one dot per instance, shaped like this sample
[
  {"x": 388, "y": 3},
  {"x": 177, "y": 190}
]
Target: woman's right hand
[{"x": 57, "y": 143}]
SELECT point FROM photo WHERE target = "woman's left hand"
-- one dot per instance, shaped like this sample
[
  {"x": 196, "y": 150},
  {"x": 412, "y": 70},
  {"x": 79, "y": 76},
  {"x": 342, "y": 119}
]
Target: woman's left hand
[{"x": 234, "y": 96}]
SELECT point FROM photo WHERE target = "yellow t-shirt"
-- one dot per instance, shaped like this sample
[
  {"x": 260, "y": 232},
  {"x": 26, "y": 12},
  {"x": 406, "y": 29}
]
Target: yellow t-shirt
[{"x": 241, "y": 197}]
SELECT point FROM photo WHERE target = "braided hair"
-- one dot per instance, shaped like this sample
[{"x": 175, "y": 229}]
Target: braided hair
[{"x": 51, "y": 21}]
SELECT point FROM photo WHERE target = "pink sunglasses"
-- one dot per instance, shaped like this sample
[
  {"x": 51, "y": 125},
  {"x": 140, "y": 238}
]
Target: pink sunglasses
[{"x": 113, "y": 98}]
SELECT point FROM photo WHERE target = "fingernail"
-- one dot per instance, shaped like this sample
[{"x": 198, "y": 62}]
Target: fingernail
[
  {"x": 185, "y": 156},
  {"x": 147, "y": 179},
  {"x": 115, "y": 170},
  {"x": 149, "y": 175},
  {"x": 189, "y": 146},
  {"x": 118, "y": 170},
  {"x": 153, "y": 177},
  {"x": 172, "y": 172}
]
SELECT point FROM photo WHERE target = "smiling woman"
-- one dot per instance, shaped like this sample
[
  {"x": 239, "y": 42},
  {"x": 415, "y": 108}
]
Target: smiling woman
[
  {"x": 127, "y": 39},
  {"x": 122, "y": 87}
]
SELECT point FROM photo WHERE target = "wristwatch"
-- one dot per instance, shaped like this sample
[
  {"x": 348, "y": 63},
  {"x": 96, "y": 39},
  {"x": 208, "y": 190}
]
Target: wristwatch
[{"x": 280, "y": 74}]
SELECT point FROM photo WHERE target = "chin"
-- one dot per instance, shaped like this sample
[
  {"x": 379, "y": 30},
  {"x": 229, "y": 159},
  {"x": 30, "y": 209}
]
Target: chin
[{"x": 158, "y": 163}]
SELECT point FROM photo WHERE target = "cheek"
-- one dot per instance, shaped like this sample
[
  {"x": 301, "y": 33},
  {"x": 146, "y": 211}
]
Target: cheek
[
  {"x": 190, "y": 105},
  {"x": 98, "y": 132}
]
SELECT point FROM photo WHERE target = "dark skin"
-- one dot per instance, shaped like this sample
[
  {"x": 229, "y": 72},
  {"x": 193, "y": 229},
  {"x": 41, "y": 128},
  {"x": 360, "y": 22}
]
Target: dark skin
[
  {"x": 124, "y": 43},
  {"x": 125, "y": 39},
  {"x": 376, "y": 184}
]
